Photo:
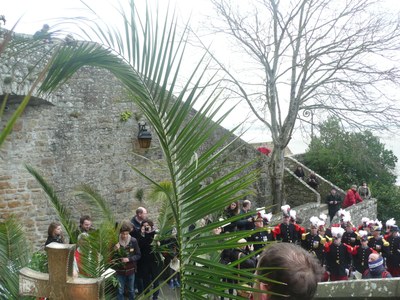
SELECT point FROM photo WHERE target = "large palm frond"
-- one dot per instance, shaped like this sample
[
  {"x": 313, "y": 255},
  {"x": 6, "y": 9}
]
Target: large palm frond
[
  {"x": 14, "y": 254},
  {"x": 147, "y": 57},
  {"x": 62, "y": 211},
  {"x": 93, "y": 198}
]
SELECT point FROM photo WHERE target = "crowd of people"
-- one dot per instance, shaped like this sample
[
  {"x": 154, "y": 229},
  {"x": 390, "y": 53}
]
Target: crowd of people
[
  {"x": 136, "y": 265},
  {"x": 343, "y": 251},
  {"x": 339, "y": 252}
]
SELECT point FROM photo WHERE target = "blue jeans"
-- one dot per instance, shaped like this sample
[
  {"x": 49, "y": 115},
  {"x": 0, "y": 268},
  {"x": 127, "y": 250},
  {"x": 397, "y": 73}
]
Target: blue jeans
[{"x": 128, "y": 280}]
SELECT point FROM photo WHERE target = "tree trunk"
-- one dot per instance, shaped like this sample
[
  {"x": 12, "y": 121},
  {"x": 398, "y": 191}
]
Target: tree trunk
[{"x": 276, "y": 171}]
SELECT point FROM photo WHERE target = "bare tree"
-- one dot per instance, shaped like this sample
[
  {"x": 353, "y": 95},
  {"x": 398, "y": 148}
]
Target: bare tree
[{"x": 321, "y": 56}]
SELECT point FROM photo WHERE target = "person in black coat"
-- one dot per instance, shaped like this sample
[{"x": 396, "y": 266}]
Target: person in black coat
[
  {"x": 334, "y": 202},
  {"x": 299, "y": 172},
  {"x": 149, "y": 265},
  {"x": 54, "y": 234},
  {"x": 312, "y": 181}
]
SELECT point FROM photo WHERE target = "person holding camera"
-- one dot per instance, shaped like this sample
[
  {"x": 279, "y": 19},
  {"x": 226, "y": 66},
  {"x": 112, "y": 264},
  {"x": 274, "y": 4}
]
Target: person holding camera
[{"x": 149, "y": 265}]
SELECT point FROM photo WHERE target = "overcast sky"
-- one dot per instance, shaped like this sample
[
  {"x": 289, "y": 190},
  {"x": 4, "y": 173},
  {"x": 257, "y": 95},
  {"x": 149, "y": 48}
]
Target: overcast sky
[{"x": 35, "y": 13}]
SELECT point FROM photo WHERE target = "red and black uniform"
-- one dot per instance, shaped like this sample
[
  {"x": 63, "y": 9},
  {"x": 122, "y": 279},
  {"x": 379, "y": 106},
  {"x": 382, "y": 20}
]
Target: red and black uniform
[
  {"x": 351, "y": 238},
  {"x": 261, "y": 236},
  {"x": 286, "y": 233},
  {"x": 379, "y": 244},
  {"x": 314, "y": 244},
  {"x": 360, "y": 258},
  {"x": 393, "y": 257},
  {"x": 338, "y": 259}
]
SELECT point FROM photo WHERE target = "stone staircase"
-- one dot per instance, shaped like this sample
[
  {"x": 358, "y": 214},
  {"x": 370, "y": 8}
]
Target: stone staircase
[{"x": 308, "y": 202}]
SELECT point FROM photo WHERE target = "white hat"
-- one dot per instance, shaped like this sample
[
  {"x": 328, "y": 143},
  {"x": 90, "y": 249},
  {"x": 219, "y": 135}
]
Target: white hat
[
  {"x": 292, "y": 214},
  {"x": 323, "y": 217},
  {"x": 363, "y": 235},
  {"x": 346, "y": 217},
  {"x": 267, "y": 216},
  {"x": 337, "y": 232},
  {"x": 286, "y": 210},
  {"x": 341, "y": 213},
  {"x": 314, "y": 221},
  {"x": 390, "y": 222},
  {"x": 364, "y": 220},
  {"x": 378, "y": 225},
  {"x": 321, "y": 224}
]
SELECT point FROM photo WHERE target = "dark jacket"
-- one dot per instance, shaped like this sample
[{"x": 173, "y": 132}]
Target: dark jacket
[
  {"x": 132, "y": 251},
  {"x": 57, "y": 239},
  {"x": 338, "y": 258},
  {"x": 333, "y": 208}
]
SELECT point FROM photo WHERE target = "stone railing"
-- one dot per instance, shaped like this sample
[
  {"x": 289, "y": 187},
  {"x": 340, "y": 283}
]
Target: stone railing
[
  {"x": 325, "y": 186},
  {"x": 388, "y": 288},
  {"x": 297, "y": 192},
  {"x": 367, "y": 208}
]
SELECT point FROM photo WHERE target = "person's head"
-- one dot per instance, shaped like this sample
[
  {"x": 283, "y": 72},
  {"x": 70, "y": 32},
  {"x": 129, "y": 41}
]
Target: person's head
[
  {"x": 337, "y": 233},
  {"x": 147, "y": 225},
  {"x": 375, "y": 263},
  {"x": 234, "y": 206},
  {"x": 246, "y": 205},
  {"x": 321, "y": 230},
  {"x": 242, "y": 245},
  {"x": 259, "y": 222},
  {"x": 54, "y": 229},
  {"x": 217, "y": 230},
  {"x": 364, "y": 184},
  {"x": 349, "y": 227},
  {"x": 141, "y": 214},
  {"x": 285, "y": 219},
  {"x": 364, "y": 242},
  {"x": 354, "y": 187},
  {"x": 394, "y": 230},
  {"x": 298, "y": 270},
  {"x": 376, "y": 231},
  {"x": 85, "y": 223},
  {"x": 373, "y": 257},
  {"x": 314, "y": 229},
  {"x": 333, "y": 191},
  {"x": 125, "y": 229},
  {"x": 299, "y": 168}
]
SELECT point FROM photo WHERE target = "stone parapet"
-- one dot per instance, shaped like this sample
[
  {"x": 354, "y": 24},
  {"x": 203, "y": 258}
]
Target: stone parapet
[{"x": 387, "y": 288}]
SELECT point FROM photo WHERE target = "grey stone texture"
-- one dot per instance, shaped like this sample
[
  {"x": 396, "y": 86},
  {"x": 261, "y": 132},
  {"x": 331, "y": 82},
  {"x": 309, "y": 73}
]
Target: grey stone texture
[
  {"x": 75, "y": 136},
  {"x": 387, "y": 288}
]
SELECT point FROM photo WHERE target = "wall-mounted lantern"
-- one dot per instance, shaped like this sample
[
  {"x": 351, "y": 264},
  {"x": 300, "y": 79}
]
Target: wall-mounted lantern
[{"x": 144, "y": 136}]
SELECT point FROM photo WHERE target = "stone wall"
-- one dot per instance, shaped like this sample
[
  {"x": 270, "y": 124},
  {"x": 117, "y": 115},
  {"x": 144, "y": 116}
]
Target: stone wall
[
  {"x": 372, "y": 289},
  {"x": 75, "y": 136}
]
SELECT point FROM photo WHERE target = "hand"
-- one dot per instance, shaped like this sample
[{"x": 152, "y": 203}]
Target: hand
[
  {"x": 117, "y": 246},
  {"x": 125, "y": 259}
]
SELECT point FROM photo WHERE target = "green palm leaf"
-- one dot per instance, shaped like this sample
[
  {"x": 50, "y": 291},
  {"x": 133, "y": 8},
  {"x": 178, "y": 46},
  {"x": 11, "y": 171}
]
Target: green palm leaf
[
  {"x": 147, "y": 57},
  {"x": 14, "y": 254},
  {"x": 63, "y": 213},
  {"x": 95, "y": 199}
]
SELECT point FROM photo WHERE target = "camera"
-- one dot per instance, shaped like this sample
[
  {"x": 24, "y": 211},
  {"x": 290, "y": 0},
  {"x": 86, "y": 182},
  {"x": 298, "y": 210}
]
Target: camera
[{"x": 147, "y": 228}]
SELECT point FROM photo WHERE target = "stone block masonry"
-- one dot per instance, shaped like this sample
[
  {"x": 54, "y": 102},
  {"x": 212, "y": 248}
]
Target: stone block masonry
[{"x": 75, "y": 136}]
